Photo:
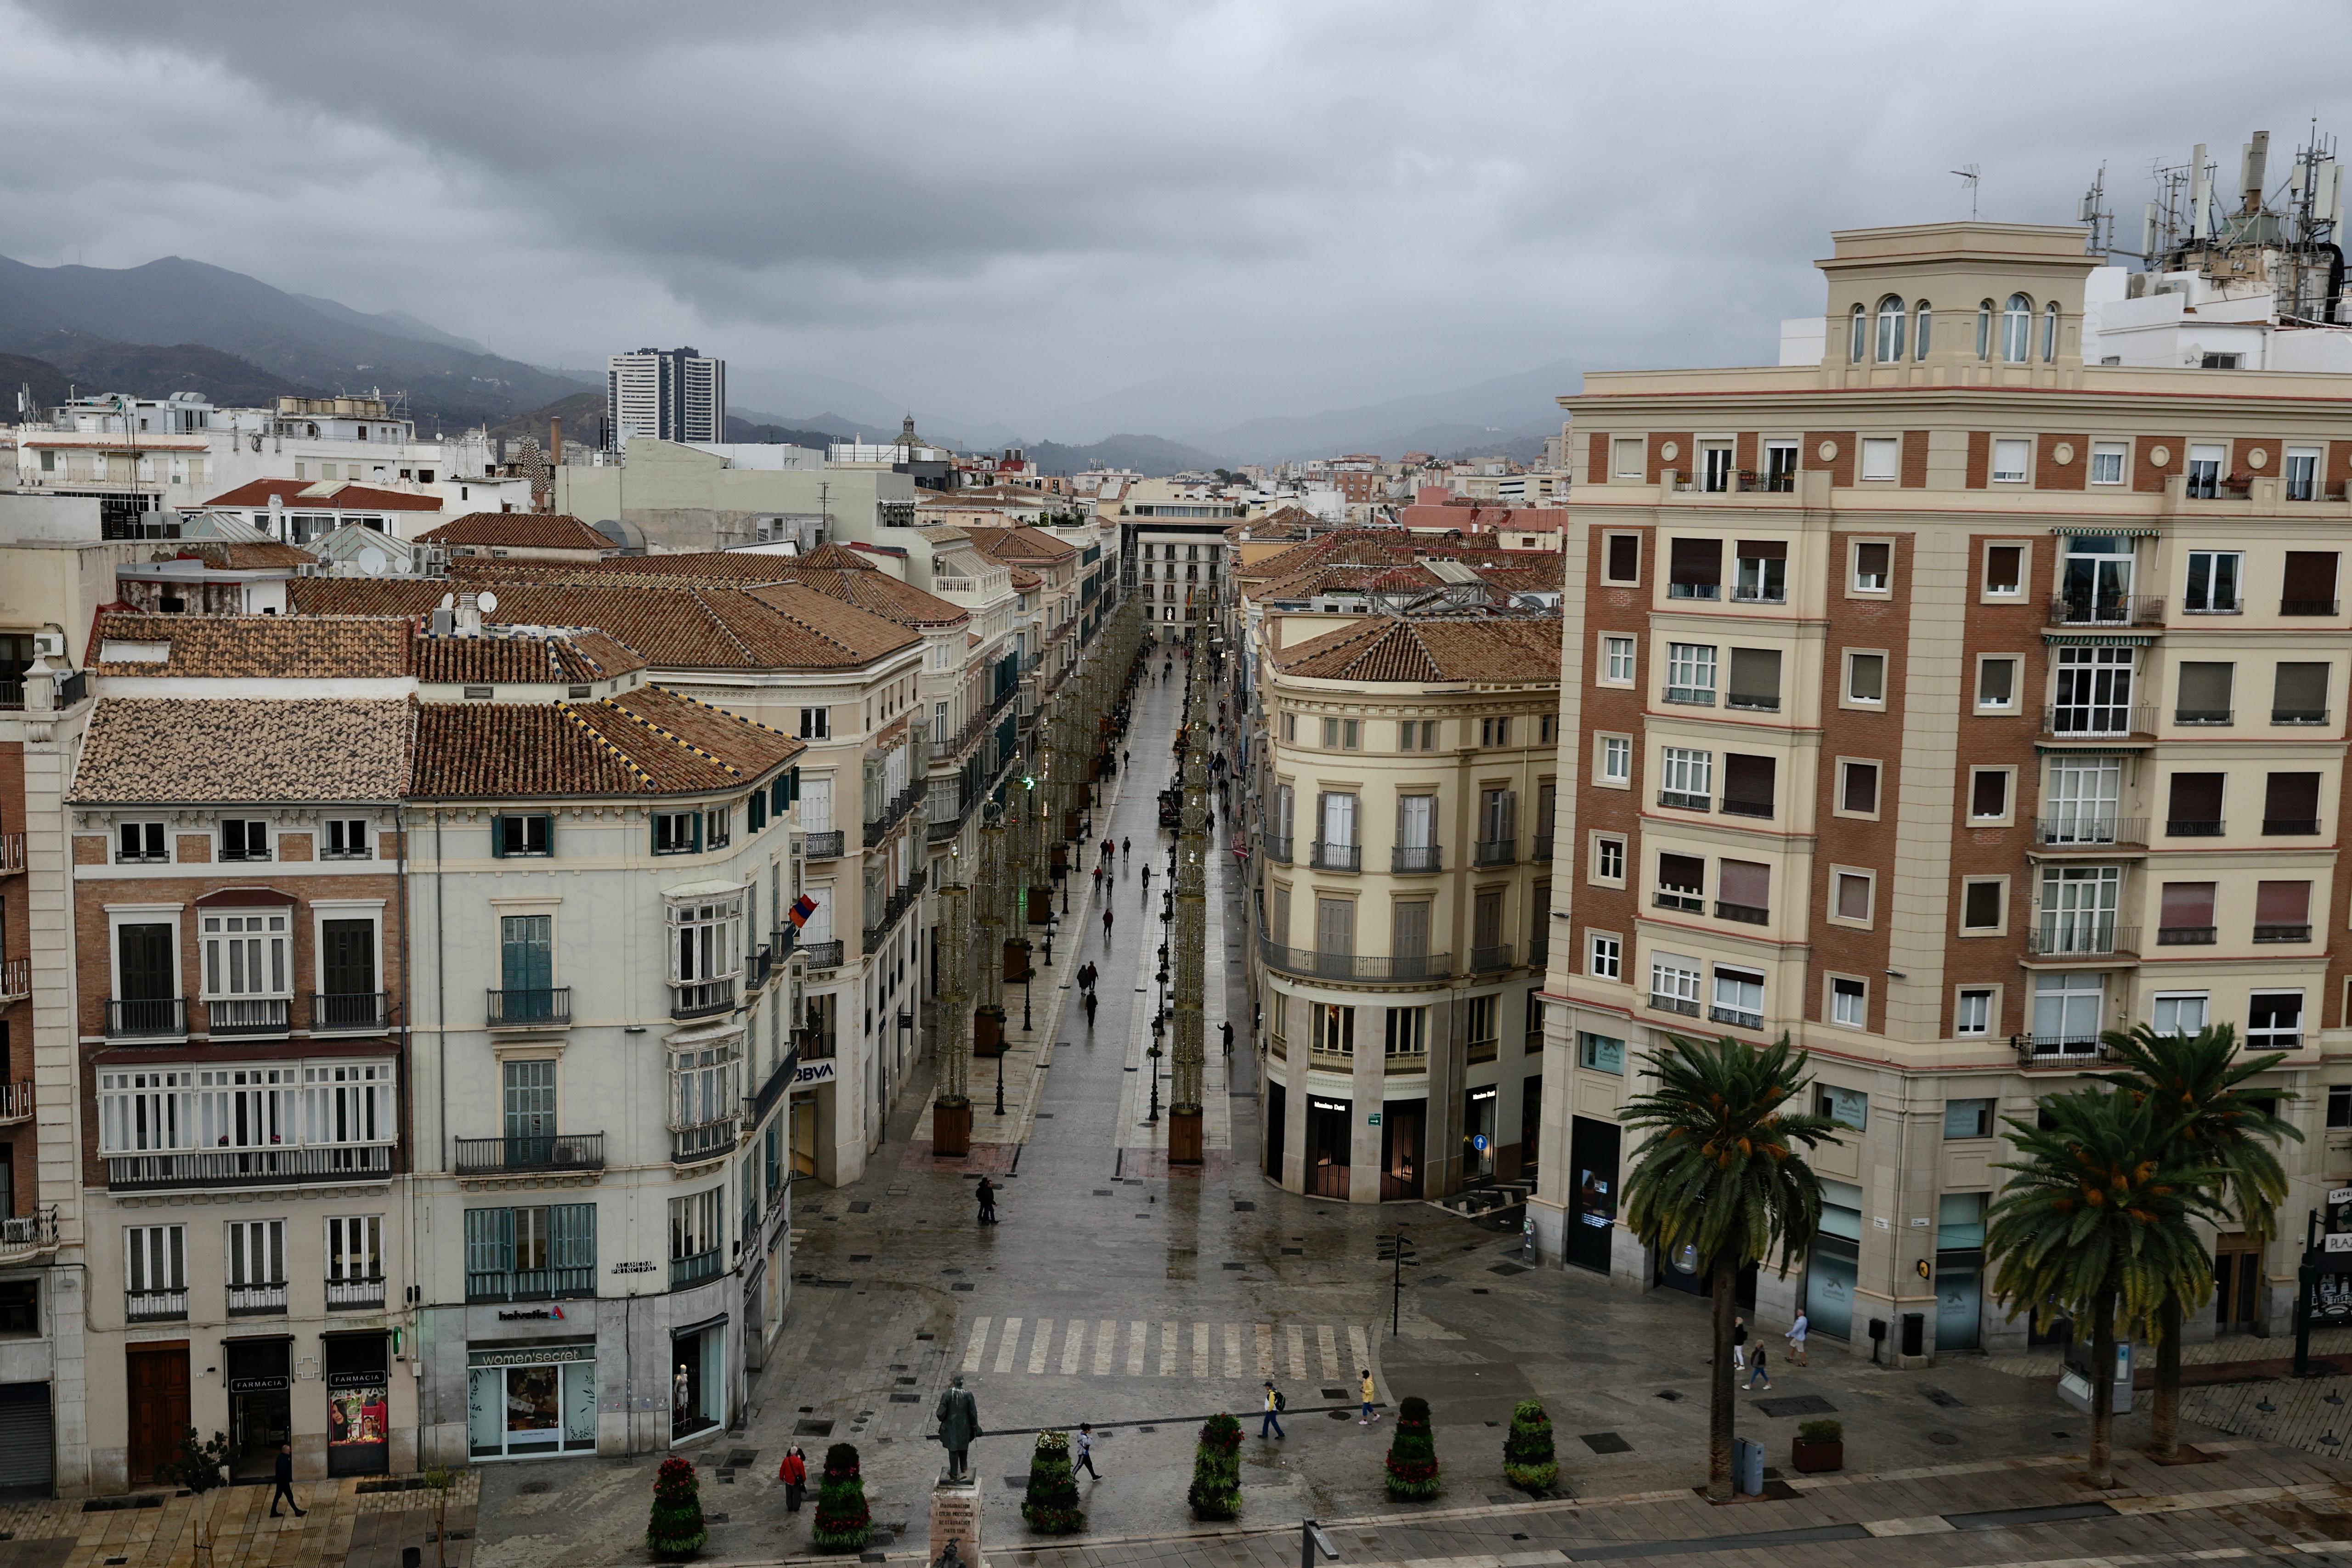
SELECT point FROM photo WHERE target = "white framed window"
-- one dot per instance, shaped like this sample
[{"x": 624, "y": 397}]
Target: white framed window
[
  {"x": 2213, "y": 579},
  {"x": 816, "y": 723},
  {"x": 1865, "y": 679},
  {"x": 1616, "y": 759},
  {"x": 2204, "y": 470},
  {"x": 1686, "y": 777},
  {"x": 1857, "y": 348},
  {"x": 244, "y": 839},
  {"x": 1780, "y": 466},
  {"x": 1675, "y": 983},
  {"x": 1891, "y": 319},
  {"x": 1408, "y": 1032},
  {"x": 2017, "y": 330},
  {"x": 702, "y": 1086},
  {"x": 1715, "y": 467},
  {"x": 1926, "y": 316},
  {"x": 2004, "y": 572},
  {"x": 1629, "y": 458},
  {"x": 247, "y": 955},
  {"x": 344, "y": 838},
  {"x": 2302, "y": 473},
  {"x": 141, "y": 842},
  {"x": 1972, "y": 1013},
  {"x": 696, "y": 1225},
  {"x": 354, "y": 1248},
  {"x": 257, "y": 1253},
  {"x": 2009, "y": 460},
  {"x": 1849, "y": 1002},
  {"x": 2274, "y": 1020},
  {"x": 1690, "y": 673},
  {"x": 1738, "y": 997},
  {"x": 1882, "y": 458},
  {"x": 1617, "y": 661},
  {"x": 2106, "y": 462},
  {"x": 703, "y": 946},
  {"x": 155, "y": 1257},
  {"x": 1609, "y": 860},
  {"x": 1873, "y": 566},
  {"x": 1997, "y": 689},
  {"x": 1604, "y": 956},
  {"x": 2179, "y": 1011}
]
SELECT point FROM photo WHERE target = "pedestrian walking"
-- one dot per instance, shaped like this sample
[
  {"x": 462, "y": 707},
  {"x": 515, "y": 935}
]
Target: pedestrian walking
[
  {"x": 1739, "y": 1343},
  {"x": 1273, "y": 1404},
  {"x": 1090, "y": 1011},
  {"x": 1756, "y": 1373},
  {"x": 793, "y": 1473},
  {"x": 1228, "y": 1028},
  {"x": 1106, "y": 927},
  {"x": 1086, "y": 1459},
  {"x": 285, "y": 1483},
  {"x": 1127, "y": 848},
  {"x": 1797, "y": 1333},
  {"x": 986, "y": 1192},
  {"x": 1369, "y": 1415}
]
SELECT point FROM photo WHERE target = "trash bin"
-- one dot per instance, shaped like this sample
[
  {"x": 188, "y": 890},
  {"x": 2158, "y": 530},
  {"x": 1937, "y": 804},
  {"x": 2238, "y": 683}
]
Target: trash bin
[
  {"x": 1748, "y": 1467},
  {"x": 1915, "y": 1333}
]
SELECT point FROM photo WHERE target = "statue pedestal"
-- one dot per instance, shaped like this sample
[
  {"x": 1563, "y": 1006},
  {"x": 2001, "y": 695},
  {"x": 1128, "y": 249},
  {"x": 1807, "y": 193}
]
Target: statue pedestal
[
  {"x": 955, "y": 1516},
  {"x": 952, "y": 1129},
  {"x": 1184, "y": 1137}
]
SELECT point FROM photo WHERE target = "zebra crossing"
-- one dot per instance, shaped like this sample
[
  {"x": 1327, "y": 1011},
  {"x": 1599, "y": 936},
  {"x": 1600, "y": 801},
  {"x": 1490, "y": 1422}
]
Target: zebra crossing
[{"x": 1139, "y": 1347}]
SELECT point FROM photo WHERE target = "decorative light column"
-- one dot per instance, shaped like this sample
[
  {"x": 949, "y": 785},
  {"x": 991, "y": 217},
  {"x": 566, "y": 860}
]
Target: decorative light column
[
  {"x": 951, "y": 1100},
  {"x": 987, "y": 953},
  {"x": 1186, "y": 1090}
]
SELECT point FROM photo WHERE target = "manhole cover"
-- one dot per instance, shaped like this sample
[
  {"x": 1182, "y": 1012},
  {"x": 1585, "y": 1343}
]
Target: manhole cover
[
  {"x": 1235, "y": 1267},
  {"x": 1147, "y": 1428},
  {"x": 1799, "y": 1405},
  {"x": 1946, "y": 1439},
  {"x": 1339, "y": 1415},
  {"x": 1102, "y": 1192},
  {"x": 1016, "y": 1482},
  {"x": 533, "y": 1489},
  {"x": 1507, "y": 1270},
  {"x": 861, "y": 1257},
  {"x": 926, "y": 1334},
  {"x": 1605, "y": 1442},
  {"x": 812, "y": 1429},
  {"x": 1500, "y": 1496},
  {"x": 908, "y": 1382},
  {"x": 862, "y": 1205},
  {"x": 1335, "y": 1394},
  {"x": 906, "y": 1398}
]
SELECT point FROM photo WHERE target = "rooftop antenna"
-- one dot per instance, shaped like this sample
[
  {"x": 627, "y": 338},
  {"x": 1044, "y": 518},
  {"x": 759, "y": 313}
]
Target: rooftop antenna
[{"x": 1971, "y": 176}]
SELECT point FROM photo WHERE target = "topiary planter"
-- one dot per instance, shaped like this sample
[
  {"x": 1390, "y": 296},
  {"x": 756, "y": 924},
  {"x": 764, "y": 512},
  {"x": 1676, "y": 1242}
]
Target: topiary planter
[
  {"x": 1412, "y": 1454},
  {"x": 1528, "y": 1462},
  {"x": 1051, "y": 1506},
  {"x": 1819, "y": 1446},
  {"x": 1216, "y": 1489},
  {"x": 676, "y": 1531},
  {"x": 843, "y": 1522}
]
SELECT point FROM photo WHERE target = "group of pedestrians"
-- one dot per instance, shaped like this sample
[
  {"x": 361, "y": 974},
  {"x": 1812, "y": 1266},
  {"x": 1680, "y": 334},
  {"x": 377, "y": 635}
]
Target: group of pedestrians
[
  {"x": 1271, "y": 1425},
  {"x": 1753, "y": 1362}
]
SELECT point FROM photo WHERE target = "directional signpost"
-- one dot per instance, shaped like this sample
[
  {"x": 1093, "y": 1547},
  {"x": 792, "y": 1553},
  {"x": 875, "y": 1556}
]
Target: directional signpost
[{"x": 1395, "y": 1250}]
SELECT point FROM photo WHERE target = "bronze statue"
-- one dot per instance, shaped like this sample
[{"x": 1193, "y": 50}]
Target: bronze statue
[{"x": 959, "y": 1418}]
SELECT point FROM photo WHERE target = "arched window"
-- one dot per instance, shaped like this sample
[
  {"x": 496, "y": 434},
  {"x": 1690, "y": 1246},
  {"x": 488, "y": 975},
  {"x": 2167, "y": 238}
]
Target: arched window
[
  {"x": 1984, "y": 329},
  {"x": 1859, "y": 348},
  {"x": 1919, "y": 337},
  {"x": 1890, "y": 330},
  {"x": 2050, "y": 332},
  {"x": 2017, "y": 330}
]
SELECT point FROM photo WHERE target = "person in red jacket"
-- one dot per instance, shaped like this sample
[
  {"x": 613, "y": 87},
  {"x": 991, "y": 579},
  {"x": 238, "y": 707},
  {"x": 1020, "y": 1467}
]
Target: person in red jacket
[{"x": 793, "y": 1473}]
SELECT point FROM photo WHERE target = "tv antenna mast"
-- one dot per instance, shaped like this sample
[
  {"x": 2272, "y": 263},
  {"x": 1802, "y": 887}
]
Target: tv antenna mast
[{"x": 1971, "y": 176}]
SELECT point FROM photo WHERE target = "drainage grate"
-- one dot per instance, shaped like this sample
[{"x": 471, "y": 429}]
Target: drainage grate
[
  {"x": 1797, "y": 1404},
  {"x": 2001, "y": 1518},
  {"x": 738, "y": 1458},
  {"x": 1670, "y": 1395},
  {"x": 1481, "y": 1291},
  {"x": 115, "y": 1504},
  {"x": 926, "y": 1334},
  {"x": 1102, "y": 1192},
  {"x": 1235, "y": 1267},
  {"x": 1016, "y": 1482},
  {"x": 1939, "y": 1397},
  {"x": 533, "y": 1489},
  {"x": 1339, "y": 1415},
  {"x": 906, "y": 1399},
  {"x": 1507, "y": 1270},
  {"x": 1501, "y": 1497},
  {"x": 812, "y": 1429},
  {"x": 1944, "y": 1439},
  {"x": 1605, "y": 1442},
  {"x": 861, "y": 1257},
  {"x": 1241, "y": 1207},
  {"x": 907, "y": 1382},
  {"x": 1294, "y": 1252},
  {"x": 1439, "y": 1279},
  {"x": 963, "y": 1287},
  {"x": 863, "y": 1206}
]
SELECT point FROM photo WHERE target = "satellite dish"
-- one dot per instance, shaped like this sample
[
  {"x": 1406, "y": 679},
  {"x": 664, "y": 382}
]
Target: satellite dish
[
  {"x": 488, "y": 602},
  {"x": 448, "y": 601}
]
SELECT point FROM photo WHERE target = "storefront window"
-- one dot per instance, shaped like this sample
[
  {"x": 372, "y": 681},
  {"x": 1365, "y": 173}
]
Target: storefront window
[
  {"x": 529, "y": 1402},
  {"x": 697, "y": 1380},
  {"x": 358, "y": 1399},
  {"x": 1831, "y": 1271}
]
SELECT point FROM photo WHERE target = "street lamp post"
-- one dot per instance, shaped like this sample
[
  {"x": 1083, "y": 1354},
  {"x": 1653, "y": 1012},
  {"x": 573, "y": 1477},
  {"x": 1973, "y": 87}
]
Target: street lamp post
[{"x": 1000, "y": 1081}]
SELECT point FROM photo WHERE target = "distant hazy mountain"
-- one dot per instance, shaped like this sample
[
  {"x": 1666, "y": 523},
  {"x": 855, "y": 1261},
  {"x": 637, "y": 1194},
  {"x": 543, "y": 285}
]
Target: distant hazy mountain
[
  {"x": 45, "y": 382},
  {"x": 399, "y": 324},
  {"x": 1145, "y": 454},
  {"x": 174, "y": 300},
  {"x": 1483, "y": 416},
  {"x": 152, "y": 370}
]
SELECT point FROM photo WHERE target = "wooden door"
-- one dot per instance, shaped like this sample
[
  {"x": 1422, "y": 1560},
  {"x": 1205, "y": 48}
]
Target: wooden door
[
  {"x": 2237, "y": 1283},
  {"x": 158, "y": 1379}
]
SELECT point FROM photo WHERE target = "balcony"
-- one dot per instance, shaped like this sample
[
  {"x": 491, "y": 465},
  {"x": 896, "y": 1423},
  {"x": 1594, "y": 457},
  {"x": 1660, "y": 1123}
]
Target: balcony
[
  {"x": 548, "y": 1007},
  {"x": 1745, "y": 914},
  {"x": 155, "y": 1305},
  {"x": 2299, "y": 716},
  {"x": 2210, "y": 717},
  {"x": 2080, "y": 936},
  {"x": 257, "y": 1300},
  {"x": 248, "y": 1017},
  {"x": 2283, "y": 932},
  {"x": 894, "y": 812},
  {"x": 15, "y": 979},
  {"x": 899, "y": 904},
  {"x": 2306, "y": 607},
  {"x": 1490, "y": 960},
  {"x": 147, "y": 1018},
  {"x": 823, "y": 845},
  {"x": 540, "y": 1152},
  {"x": 1307, "y": 962},
  {"x": 1690, "y": 901},
  {"x": 2184, "y": 936},
  {"x": 703, "y": 1140},
  {"x": 276, "y": 1166},
  {"x": 1679, "y": 800},
  {"x": 355, "y": 1295},
  {"x": 15, "y": 1102},
  {"x": 2106, "y": 610},
  {"x": 702, "y": 1266},
  {"x": 1686, "y": 1005},
  {"x": 1276, "y": 849},
  {"x": 701, "y": 999},
  {"x": 1338, "y": 856},
  {"x": 2096, "y": 720},
  {"x": 2058, "y": 1050},
  {"x": 1738, "y": 1018},
  {"x": 1408, "y": 859},
  {"x": 530, "y": 1284},
  {"x": 759, "y": 968},
  {"x": 1732, "y": 807},
  {"x": 355, "y": 1012},
  {"x": 12, "y": 854},
  {"x": 1495, "y": 852},
  {"x": 2194, "y": 827},
  {"x": 821, "y": 955},
  {"x": 26, "y": 1235},
  {"x": 2081, "y": 831},
  {"x": 2290, "y": 826},
  {"x": 1543, "y": 847}
]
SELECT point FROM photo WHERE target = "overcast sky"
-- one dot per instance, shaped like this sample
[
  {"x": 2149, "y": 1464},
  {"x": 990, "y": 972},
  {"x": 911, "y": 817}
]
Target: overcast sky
[{"x": 1074, "y": 218}]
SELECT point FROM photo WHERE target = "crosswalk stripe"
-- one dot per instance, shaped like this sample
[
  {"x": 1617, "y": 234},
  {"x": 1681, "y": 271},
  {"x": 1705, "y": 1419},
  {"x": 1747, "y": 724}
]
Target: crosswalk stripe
[
  {"x": 972, "y": 1352},
  {"x": 1266, "y": 1350},
  {"x": 1233, "y": 1350},
  {"x": 1105, "y": 1344},
  {"x": 1357, "y": 1342},
  {"x": 1135, "y": 1332},
  {"x": 1168, "y": 1350},
  {"x": 1296, "y": 1335},
  {"x": 1074, "y": 1349},
  {"x": 1327, "y": 1346},
  {"x": 1038, "y": 1346},
  {"x": 1201, "y": 1350},
  {"x": 1008, "y": 1345}
]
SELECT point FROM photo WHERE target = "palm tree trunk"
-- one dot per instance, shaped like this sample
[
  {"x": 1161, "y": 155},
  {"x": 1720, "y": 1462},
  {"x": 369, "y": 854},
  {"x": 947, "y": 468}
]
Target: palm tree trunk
[
  {"x": 2101, "y": 1471},
  {"x": 1721, "y": 1388},
  {"x": 2164, "y": 1416}
]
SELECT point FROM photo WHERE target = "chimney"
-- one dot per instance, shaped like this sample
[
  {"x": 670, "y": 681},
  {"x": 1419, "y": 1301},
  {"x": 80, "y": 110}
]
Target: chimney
[
  {"x": 469, "y": 620},
  {"x": 277, "y": 515},
  {"x": 556, "y": 441}
]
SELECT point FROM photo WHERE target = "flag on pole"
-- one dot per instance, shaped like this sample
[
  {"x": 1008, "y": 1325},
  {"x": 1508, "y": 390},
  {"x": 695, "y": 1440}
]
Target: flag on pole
[{"x": 802, "y": 906}]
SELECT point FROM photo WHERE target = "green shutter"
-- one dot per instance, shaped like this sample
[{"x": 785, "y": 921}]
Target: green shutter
[
  {"x": 499, "y": 837},
  {"x": 489, "y": 1241},
  {"x": 571, "y": 1236}
]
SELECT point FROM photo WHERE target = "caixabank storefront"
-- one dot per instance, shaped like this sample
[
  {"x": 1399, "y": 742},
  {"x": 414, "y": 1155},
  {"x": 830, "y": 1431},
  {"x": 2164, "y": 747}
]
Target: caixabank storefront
[{"x": 615, "y": 1375}]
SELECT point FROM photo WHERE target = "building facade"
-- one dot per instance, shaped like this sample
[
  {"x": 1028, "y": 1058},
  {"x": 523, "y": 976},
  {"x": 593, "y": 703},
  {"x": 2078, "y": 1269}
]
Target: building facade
[{"x": 671, "y": 394}]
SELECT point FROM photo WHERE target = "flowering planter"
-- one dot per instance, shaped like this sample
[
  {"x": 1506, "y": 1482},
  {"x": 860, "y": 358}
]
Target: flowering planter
[{"x": 1812, "y": 1458}]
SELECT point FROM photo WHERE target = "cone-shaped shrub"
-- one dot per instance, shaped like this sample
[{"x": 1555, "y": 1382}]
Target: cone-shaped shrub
[
  {"x": 1528, "y": 1461},
  {"x": 1216, "y": 1490},
  {"x": 1412, "y": 1452},
  {"x": 1051, "y": 1506},
  {"x": 842, "y": 1523},
  {"x": 674, "y": 1531}
]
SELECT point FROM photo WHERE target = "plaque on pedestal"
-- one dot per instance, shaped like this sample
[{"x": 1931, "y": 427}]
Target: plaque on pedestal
[
  {"x": 955, "y": 1518},
  {"x": 1184, "y": 1137}
]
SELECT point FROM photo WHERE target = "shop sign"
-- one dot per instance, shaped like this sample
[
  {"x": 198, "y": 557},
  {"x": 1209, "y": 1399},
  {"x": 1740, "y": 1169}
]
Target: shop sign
[
  {"x": 544, "y": 1356},
  {"x": 259, "y": 1384},
  {"x": 634, "y": 1266},
  {"x": 532, "y": 1314},
  {"x": 811, "y": 1073}
]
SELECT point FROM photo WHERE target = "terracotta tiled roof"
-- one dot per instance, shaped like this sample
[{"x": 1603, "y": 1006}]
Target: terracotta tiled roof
[
  {"x": 224, "y": 555},
  {"x": 670, "y": 625},
  {"x": 226, "y": 648},
  {"x": 877, "y": 592},
  {"x": 1026, "y": 544},
  {"x": 830, "y": 556},
  {"x": 314, "y": 495},
  {"x": 646, "y": 741},
  {"x": 195, "y": 751},
  {"x": 1395, "y": 648},
  {"x": 561, "y": 654},
  {"x": 833, "y": 571},
  {"x": 520, "y": 530}
]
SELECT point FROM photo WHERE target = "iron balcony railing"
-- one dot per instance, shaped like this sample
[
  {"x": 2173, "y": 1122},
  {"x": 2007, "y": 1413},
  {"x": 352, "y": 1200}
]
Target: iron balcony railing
[
  {"x": 2185, "y": 936},
  {"x": 530, "y": 1284},
  {"x": 823, "y": 955},
  {"x": 2080, "y": 830},
  {"x": 701, "y": 999},
  {"x": 2106, "y": 610},
  {"x": 1488, "y": 960},
  {"x": 29, "y": 1233},
  {"x": 1690, "y": 901},
  {"x": 1683, "y": 800},
  {"x": 358, "y": 1012},
  {"x": 2290, "y": 826},
  {"x": 786, "y": 941},
  {"x": 823, "y": 845},
  {"x": 693, "y": 1270},
  {"x": 2306, "y": 607},
  {"x": 1410, "y": 858},
  {"x": 1338, "y": 856},
  {"x": 547, "y": 1008},
  {"x": 277, "y": 1166},
  {"x": 2079, "y": 936},
  {"x": 533, "y": 1152},
  {"x": 1391, "y": 969},
  {"x": 2194, "y": 826},
  {"x": 1495, "y": 852},
  {"x": 2204, "y": 715},
  {"x": 900, "y": 903},
  {"x": 2058, "y": 1050},
  {"x": 253, "y": 1301},
  {"x": 2091, "y": 720},
  {"x": 759, "y": 968},
  {"x": 896, "y": 811},
  {"x": 155, "y": 1305},
  {"x": 15, "y": 1102},
  {"x": 2281, "y": 931},
  {"x": 1745, "y": 914},
  {"x": 247, "y": 1015},
  {"x": 1277, "y": 850},
  {"x": 15, "y": 979},
  {"x": 704, "y": 1139},
  {"x": 12, "y": 853},
  {"x": 1686, "y": 1005},
  {"x": 1738, "y": 1017},
  {"x": 354, "y": 1295},
  {"x": 147, "y": 1018}
]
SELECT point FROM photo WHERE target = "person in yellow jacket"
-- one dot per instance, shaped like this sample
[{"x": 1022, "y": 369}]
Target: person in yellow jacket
[
  {"x": 1369, "y": 1415},
  {"x": 1273, "y": 1422}
]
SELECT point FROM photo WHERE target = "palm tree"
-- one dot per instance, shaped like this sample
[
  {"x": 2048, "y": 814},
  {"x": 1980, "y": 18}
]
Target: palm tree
[
  {"x": 1722, "y": 1176},
  {"x": 2193, "y": 1080},
  {"x": 2096, "y": 1227}
]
